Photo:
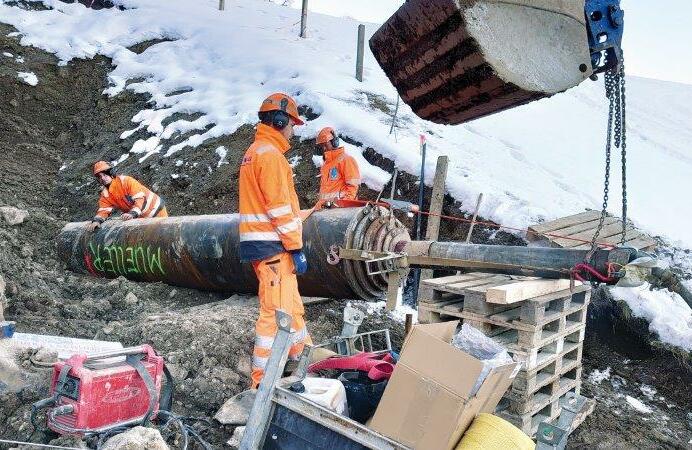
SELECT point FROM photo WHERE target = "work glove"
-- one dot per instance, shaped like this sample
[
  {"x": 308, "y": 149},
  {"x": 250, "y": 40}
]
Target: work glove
[{"x": 300, "y": 262}]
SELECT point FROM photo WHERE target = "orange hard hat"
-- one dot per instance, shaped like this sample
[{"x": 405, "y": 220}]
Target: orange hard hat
[
  {"x": 282, "y": 102},
  {"x": 101, "y": 166},
  {"x": 325, "y": 135}
]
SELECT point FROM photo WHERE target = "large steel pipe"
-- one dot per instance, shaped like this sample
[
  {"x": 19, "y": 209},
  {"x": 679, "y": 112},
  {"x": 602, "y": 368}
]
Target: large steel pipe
[
  {"x": 538, "y": 261},
  {"x": 202, "y": 251}
]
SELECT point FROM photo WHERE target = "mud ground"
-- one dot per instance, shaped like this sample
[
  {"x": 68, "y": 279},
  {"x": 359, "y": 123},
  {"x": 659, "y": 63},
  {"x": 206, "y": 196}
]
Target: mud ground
[{"x": 50, "y": 135}]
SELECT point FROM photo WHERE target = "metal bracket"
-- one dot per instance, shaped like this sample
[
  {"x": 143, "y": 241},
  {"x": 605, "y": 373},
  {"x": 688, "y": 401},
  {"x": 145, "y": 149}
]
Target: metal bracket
[
  {"x": 604, "y": 24},
  {"x": 554, "y": 436},
  {"x": 261, "y": 412},
  {"x": 392, "y": 261}
]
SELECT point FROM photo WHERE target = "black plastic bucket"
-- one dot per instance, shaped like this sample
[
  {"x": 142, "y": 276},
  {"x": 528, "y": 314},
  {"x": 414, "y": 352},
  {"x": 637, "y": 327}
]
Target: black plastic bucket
[{"x": 362, "y": 393}]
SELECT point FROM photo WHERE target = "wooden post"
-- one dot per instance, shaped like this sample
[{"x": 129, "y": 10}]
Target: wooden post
[
  {"x": 432, "y": 231},
  {"x": 409, "y": 324},
  {"x": 360, "y": 52},
  {"x": 222, "y": 5},
  {"x": 393, "y": 282},
  {"x": 475, "y": 214},
  {"x": 304, "y": 20}
]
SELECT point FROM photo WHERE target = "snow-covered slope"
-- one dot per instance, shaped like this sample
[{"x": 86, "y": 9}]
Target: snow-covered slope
[{"x": 535, "y": 162}]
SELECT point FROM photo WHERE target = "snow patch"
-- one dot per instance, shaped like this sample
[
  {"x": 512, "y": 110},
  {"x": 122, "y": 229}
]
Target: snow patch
[
  {"x": 398, "y": 314},
  {"x": 221, "y": 152},
  {"x": 8, "y": 54},
  {"x": 597, "y": 376},
  {"x": 179, "y": 163},
  {"x": 638, "y": 405},
  {"x": 667, "y": 313},
  {"x": 147, "y": 146},
  {"x": 648, "y": 391},
  {"x": 20, "y": 60},
  {"x": 29, "y": 78},
  {"x": 122, "y": 158},
  {"x": 293, "y": 161}
]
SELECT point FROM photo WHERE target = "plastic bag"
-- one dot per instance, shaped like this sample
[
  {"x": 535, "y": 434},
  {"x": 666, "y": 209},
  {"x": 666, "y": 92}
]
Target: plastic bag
[{"x": 480, "y": 346}]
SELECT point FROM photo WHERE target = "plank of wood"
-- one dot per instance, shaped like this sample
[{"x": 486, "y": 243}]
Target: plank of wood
[
  {"x": 614, "y": 229},
  {"x": 642, "y": 242},
  {"x": 479, "y": 282},
  {"x": 435, "y": 282},
  {"x": 524, "y": 290},
  {"x": 458, "y": 306},
  {"x": 590, "y": 225},
  {"x": 565, "y": 222},
  {"x": 615, "y": 239}
]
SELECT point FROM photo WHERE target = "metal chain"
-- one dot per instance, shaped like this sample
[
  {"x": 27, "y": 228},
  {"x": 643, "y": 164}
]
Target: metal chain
[
  {"x": 623, "y": 147},
  {"x": 609, "y": 79},
  {"x": 617, "y": 135}
]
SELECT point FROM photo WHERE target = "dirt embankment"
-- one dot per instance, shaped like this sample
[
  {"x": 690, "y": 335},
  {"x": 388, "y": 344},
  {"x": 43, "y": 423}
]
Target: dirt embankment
[{"x": 50, "y": 135}]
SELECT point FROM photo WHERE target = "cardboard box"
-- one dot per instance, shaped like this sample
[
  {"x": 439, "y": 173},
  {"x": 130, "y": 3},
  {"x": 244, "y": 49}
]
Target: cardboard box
[{"x": 428, "y": 403}]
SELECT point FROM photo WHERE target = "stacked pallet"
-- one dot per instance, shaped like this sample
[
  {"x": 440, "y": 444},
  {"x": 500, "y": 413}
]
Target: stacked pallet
[{"x": 540, "y": 322}]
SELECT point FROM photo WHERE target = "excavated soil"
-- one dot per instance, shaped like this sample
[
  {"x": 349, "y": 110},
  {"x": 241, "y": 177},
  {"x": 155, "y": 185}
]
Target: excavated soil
[{"x": 50, "y": 134}]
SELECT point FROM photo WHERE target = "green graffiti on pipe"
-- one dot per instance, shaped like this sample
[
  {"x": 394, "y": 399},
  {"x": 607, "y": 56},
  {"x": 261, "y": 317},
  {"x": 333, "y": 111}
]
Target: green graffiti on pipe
[{"x": 126, "y": 260}]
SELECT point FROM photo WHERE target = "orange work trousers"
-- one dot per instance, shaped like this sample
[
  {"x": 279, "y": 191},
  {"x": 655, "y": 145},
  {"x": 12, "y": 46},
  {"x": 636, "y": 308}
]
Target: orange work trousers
[{"x": 278, "y": 289}]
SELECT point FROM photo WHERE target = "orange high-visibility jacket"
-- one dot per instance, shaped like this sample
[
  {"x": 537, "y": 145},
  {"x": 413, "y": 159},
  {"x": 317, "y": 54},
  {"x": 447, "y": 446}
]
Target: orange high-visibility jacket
[
  {"x": 269, "y": 211},
  {"x": 340, "y": 177},
  {"x": 129, "y": 196}
]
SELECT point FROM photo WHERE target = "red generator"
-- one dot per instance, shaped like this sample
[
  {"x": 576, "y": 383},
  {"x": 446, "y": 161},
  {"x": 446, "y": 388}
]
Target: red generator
[{"x": 92, "y": 394}]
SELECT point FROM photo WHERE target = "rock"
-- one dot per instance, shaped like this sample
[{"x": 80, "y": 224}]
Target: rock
[
  {"x": 14, "y": 102},
  {"x": 172, "y": 293},
  {"x": 234, "y": 441},
  {"x": 131, "y": 299},
  {"x": 235, "y": 410},
  {"x": 225, "y": 375},
  {"x": 45, "y": 355},
  {"x": 27, "y": 251},
  {"x": 12, "y": 215},
  {"x": 177, "y": 372},
  {"x": 244, "y": 366},
  {"x": 108, "y": 329},
  {"x": 138, "y": 438}
]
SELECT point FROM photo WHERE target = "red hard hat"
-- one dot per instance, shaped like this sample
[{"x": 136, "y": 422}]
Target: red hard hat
[
  {"x": 282, "y": 102},
  {"x": 101, "y": 166}
]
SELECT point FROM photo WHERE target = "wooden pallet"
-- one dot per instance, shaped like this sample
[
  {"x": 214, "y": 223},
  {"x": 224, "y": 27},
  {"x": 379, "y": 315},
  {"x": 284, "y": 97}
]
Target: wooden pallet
[
  {"x": 448, "y": 296},
  {"x": 546, "y": 409},
  {"x": 571, "y": 231},
  {"x": 548, "y": 370}
]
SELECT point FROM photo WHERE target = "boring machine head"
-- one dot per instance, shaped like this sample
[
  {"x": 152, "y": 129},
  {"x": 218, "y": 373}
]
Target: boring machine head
[{"x": 453, "y": 61}]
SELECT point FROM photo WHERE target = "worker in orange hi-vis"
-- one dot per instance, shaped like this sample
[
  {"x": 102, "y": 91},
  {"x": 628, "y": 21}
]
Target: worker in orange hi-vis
[
  {"x": 271, "y": 230},
  {"x": 339, "y": 176},
  {"x": 125, "y": 194}
]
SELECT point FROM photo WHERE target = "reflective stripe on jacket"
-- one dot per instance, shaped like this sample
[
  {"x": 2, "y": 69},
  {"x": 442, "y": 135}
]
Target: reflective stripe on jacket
[
  {"x": 269, "y": 210},
  {"x": 129, "y": 196},
  {"x": 340, "y": 177}
]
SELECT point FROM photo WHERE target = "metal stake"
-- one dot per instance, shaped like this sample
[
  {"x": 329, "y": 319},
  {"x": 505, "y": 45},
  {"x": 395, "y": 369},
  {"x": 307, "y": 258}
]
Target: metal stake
[
  {"x": 260, "y": 415},
  {"x": 222, "y": 5},
  {"x": 304, "y": 20},
  {"x": 360, "y": 52}
]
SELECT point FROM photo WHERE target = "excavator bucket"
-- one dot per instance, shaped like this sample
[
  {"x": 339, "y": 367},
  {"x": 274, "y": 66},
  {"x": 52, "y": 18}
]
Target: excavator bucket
[{"x": 453, "y": 61}]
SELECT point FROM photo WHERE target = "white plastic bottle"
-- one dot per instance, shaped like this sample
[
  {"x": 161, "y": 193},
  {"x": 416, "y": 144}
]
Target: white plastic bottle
[{"x": 326, "y": 392}]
